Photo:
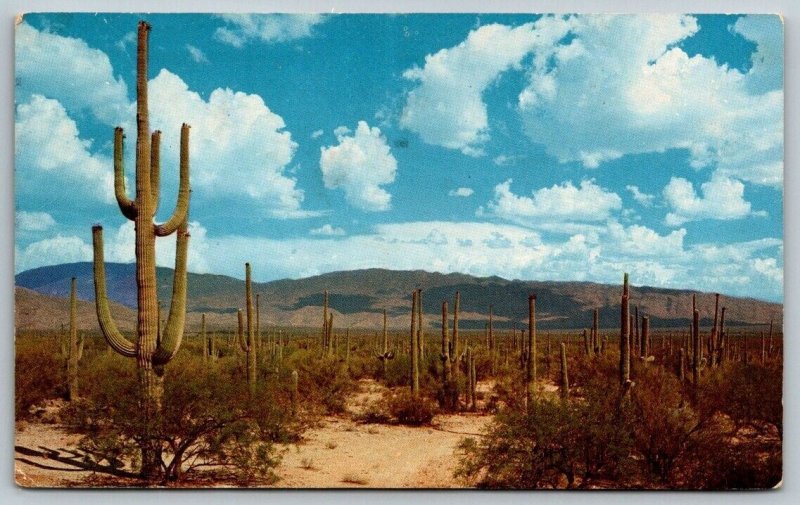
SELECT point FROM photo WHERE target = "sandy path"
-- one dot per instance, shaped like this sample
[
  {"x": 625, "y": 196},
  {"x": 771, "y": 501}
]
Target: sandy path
[{"x": 338, "y": 452}]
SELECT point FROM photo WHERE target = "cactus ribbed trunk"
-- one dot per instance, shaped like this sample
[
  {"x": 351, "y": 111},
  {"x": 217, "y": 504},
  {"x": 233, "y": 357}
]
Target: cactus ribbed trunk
[
  {"x": 248, "y": 343},
  {"x": 455, "y": 355},
  {"x": 645, "y": 344},
  {"x": 696, "y": 347},
  {"x": 564, "y": 376},
  {"x": 530, "y": 376},
  {"x": 682, "y": 364},
  {"x": 722, "y": 338},
  {"x": 595, "y": 336},
  {"x": 713, "y": 343},
  {"x": 150, "y": 352},
  {"x": 624, "y": 337},
  {"x": 414, "y": 346},
  {"x": 420, "y": 326},
  {"x": 445, "y": 356},
  {"x": 384, "y": 363},
  {"x": 325, "y": 334}
]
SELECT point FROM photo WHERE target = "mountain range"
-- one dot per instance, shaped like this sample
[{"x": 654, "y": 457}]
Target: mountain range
[{"x": 357, "y": 299}]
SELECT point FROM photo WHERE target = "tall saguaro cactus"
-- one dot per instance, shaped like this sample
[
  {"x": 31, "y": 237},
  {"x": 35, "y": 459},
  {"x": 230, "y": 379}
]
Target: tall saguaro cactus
[
  {"x": 249, "y": 345},
  {"x": 150, "y": 351},
  {"x": 624, "y": 337},
  {"x": 414, "y": 345},
  {"x": 75, "y": 344},
  {"x": 530, "y": 375}
]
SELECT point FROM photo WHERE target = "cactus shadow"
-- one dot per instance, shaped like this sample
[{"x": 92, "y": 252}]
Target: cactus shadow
[{"x": 77, "y": 461}]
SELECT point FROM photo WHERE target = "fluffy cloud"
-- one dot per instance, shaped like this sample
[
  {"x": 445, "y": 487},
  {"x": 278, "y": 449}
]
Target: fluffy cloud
[
  {"x": 462, "y": 192},
  {"x": 51, "y": 156},
  {"x": 119, "y": 247},
  {"x": 360, "y": 164},
  {"x": 328, "y": 230},
  {"x": 559, "y": 203},
  {"x": 68, "y": 70},
  {"x": 643, "y": 198},
  {"x": 238, "y": 146},
  {"x": 723, "y": 198},
  {"x": 242, "y": 28},
  {"x": 33, "y": 221},
  {"x": 651, "y": 96},
  {"x": 446, "y": 107},
  {"x": 52, "y": 251}
]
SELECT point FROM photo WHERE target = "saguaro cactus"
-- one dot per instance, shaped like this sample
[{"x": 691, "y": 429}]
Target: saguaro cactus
[
  {"x": 385, "y": 355},
  {"x": 564, "y": 376},
  {"x": 530, "y": 376},
  {"x": 624, "y": 337},
  {"x": 414, "y": 345},
  {"x": 74, "y": 348},
  {"x": 150, "y": 351},
  {"x": 446, "y": 363},
  {"x": 420, "y": 326},
  {"x": 696, "y": 347},
  {"x": 249, "y": 345},
  {"x": 595, "y": 337}
]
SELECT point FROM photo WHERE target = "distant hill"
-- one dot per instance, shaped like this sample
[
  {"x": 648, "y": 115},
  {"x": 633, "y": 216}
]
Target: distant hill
[{"x": 358, "y": 298}]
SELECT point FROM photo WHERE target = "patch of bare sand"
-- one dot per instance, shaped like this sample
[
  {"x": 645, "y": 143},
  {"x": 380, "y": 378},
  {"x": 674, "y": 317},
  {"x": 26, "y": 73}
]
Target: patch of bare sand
[{"x": 343, "y": 453}]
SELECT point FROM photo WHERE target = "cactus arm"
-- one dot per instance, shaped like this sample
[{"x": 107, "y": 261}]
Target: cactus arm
[
  {"x": 107, "y": 325},
  {"x": 182, "y": 207},
  {"x": 155, "y": 169},
  {"x": 173, "y": 330},
  {"x": 126, "y": 205}
]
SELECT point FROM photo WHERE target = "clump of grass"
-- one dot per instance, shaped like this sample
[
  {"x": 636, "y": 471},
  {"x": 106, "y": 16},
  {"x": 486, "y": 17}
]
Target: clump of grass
[
  {"x": 331, "y": 445},
  {"x": 307, "y": 464},
  {"x": 351, "y": 478}
]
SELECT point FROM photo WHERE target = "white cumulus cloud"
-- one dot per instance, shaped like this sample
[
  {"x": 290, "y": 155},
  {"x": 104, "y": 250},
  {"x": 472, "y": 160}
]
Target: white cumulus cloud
[
  {"x": 446, "y": 107},
  {"x": 50, "y": 156},
  {"x": 615, "y": 97},
  {"x": 360, "y": 164},
  {"x": 68, "y": 70},
  {"x": 242, "y": 28},
  {"x": 33, "y": 221},
  {"x": 566, "y": 202},
  {"x": 238, "y": 146},
  {"x": 722, "y": 198}
]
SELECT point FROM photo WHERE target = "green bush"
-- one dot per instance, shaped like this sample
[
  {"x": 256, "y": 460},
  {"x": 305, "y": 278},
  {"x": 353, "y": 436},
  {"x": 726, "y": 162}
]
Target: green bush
[
  {"x": 410, "y": 410},
  {"x": 39, "y": 373}
]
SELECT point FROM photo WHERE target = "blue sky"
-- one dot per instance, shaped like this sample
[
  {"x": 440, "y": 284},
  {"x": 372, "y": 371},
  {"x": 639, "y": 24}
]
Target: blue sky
[{"x": 530, "y": 147}]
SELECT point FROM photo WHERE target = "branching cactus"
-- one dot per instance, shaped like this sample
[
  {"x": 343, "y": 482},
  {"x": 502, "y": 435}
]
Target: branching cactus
[
  {"x": 249, "y": 345},
  {"x": 74, "y": 348},
  {"x": 150, "y": 351}
]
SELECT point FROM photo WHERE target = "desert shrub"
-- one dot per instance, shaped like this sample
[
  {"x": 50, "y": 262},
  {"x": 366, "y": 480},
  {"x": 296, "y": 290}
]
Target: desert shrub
[
  {"x": 398, "y": 371},
  {"x": 522, "y": 449},
  {"x": 750, "y": 395},
  {"x": 410, "y": 410},
  {"x": 209, "y": 417},
  {"x": 40, "y": 373},
  {"x": 323, "y": 382}
]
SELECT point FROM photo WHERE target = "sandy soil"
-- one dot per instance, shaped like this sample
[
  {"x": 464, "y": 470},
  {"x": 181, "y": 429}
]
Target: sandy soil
[{"x": 338, "y": 452}]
